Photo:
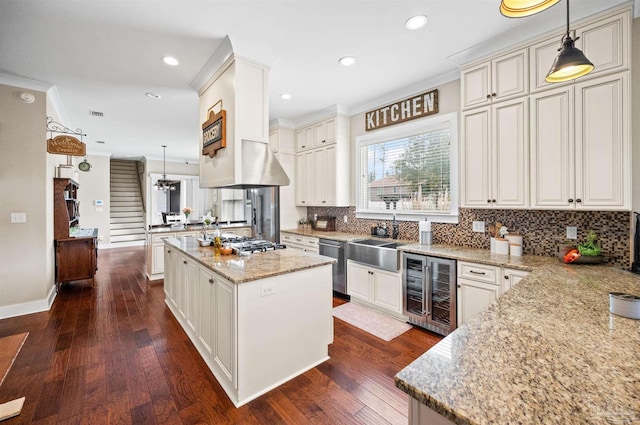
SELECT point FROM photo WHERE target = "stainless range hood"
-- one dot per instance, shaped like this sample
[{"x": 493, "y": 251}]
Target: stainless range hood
[{"x": 259, "y": 167}]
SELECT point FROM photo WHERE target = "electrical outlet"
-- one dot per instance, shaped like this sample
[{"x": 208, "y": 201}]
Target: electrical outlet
[
  {"x": 266, "y": 290},
  {"x": 478, "y": 226},
  {"x": 345, "y": 218},
  {"x": 572, "y": 232},
  {"x": 19, "y": 217}
]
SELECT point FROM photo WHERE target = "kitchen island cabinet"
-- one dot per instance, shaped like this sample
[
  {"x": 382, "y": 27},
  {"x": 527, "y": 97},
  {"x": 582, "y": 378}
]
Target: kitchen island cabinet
[
  {"x": 548, "y": 351},
  {"x": 257, "y": 320}
]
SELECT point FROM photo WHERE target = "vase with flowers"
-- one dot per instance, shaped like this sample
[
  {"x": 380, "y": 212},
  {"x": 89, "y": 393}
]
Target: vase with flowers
[{"x": 186, "y": 211}]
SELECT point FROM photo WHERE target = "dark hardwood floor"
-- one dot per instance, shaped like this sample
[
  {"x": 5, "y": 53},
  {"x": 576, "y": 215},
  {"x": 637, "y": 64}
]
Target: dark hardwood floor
[{"x": 114, "y": 354}]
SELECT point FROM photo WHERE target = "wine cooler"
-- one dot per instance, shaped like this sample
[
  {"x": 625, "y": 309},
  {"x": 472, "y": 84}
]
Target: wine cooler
[{"x": 429, "y": 292}]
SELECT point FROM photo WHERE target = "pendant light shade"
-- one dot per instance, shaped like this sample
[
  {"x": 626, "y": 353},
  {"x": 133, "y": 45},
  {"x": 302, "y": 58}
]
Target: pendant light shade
[
  {"x": 570, "y": 63},
  {"x": 522, "y": 8},
  {"x": 163, "y": 183}
]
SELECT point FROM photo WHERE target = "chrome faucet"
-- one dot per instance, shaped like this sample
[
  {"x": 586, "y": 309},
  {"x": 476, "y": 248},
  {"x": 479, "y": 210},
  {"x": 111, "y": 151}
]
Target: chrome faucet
[{"x": 396, "y": 228}]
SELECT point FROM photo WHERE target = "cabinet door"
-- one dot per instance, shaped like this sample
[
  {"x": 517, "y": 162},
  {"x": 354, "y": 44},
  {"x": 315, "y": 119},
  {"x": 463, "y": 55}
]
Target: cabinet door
[
  {"x": 310, "y": 137},
  {"x": 510, "y": 148},
  {"x": 387, "y": 290},
  {"x": 602, "y": 143},
  {"x": 511, "y": 277},
  {"x": 224, "y": 349},
  {"x": 320, "y": 134},
  {"x": 181, "y": 285},
  {"x": 359, "y": 281},
  {"x": 309, "y": 177},
  {"x": 301, "y": 140},
  {"x": 475, "y": 86},
  {"x": 552, "y": 149},
  {"x": 473, "y": 297},
  {"x": 509, "y": 75},
  {"x": 301, "y": 173},
  {"x": 192, "y": 294},
  {"x": 476, "y": 159},
  {"x": 206, "y": 294},
  {"x": 541, "y": 57},
  {"x": 321, "y": 187},
  {"x": 329, "y": 178},
  {"x": 604, "y": 42},
  {"x": 170, "y": 260},
  {"x": 157, "y": 258},
  {"x": 330, "y": 128}
]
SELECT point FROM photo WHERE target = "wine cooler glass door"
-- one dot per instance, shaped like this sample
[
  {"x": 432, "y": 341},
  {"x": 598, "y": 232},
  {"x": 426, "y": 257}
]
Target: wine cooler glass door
[{"x": 441, "y": 298}]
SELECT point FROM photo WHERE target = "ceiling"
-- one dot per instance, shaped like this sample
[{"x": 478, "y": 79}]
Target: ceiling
[{"x": 104, "y": 55}]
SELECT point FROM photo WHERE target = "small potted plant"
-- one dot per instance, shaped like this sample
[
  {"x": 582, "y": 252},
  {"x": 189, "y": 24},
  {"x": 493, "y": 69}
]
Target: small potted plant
[{"x": 302, "y": 223}]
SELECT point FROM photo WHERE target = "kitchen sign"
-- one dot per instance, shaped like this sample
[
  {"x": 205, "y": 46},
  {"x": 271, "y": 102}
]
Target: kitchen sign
[
  {"x": 66, "y": 145},
  {"x": 214, "y": 133},
  {"x": 404, "y": 110}
]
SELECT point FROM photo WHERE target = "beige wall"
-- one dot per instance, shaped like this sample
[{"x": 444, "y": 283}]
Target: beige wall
[
  {"x": 26, "y": 249},
  {"x": 95, "y": 184},
  {"x": 448, "y": 102}
]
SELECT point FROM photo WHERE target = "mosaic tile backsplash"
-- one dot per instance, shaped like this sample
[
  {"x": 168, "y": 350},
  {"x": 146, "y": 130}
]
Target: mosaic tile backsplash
[{"x": 543, "y": 231}]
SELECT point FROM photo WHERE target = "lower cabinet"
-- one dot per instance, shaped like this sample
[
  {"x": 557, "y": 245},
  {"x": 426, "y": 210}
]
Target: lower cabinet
[
  {"x": 303, "y": 243},
  {"x": 76, "y": 259},
  {"x": 480, "y": 284},
  {"x": 379, "y": 288}
]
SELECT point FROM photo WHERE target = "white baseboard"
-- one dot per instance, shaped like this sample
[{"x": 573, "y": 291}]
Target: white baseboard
[{"x": 30, "y": 307}]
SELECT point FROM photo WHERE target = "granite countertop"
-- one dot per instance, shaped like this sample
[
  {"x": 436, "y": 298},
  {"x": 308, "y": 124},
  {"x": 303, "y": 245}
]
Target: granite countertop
[
  {"x": 547, "y": 352},
  {"x": 240, "y": 268},
  {"x": 192, "y": 228}
]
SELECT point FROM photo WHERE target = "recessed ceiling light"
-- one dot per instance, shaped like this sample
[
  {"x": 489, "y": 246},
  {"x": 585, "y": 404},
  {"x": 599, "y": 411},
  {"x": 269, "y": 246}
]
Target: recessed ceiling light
[
  {"x": 285, "y": 96},
  {"x": 170, "y": 60},
  {"x": 347, "y": 60},
  {"x": 153, "y": 95},
  {"x": 416, "y": 22}
]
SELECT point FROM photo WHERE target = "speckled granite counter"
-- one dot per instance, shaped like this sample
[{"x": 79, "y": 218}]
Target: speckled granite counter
[
  {"x": 547, "y": 352},
  {"x": 239, "y": 269}
]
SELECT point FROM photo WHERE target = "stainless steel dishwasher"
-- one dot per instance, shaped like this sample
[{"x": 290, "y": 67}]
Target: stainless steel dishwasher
[{"x": 336, "y": 249}]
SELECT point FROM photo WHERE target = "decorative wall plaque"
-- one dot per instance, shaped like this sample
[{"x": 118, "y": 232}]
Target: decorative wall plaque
[
  {"x": 214, "y": 133},
  {"x": 404, "y": 110},
  {"x": 66, "y": 145}
]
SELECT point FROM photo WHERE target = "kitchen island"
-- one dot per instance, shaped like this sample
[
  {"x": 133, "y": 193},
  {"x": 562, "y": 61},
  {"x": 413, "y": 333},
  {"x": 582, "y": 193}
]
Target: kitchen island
[
  {"x": 256, "y": 320},
  {"x": 547, "y": 352}
]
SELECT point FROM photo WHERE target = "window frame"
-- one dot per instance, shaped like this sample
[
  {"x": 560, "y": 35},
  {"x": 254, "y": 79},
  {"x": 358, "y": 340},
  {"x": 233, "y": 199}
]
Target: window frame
[{"x": 405, "y": 130}]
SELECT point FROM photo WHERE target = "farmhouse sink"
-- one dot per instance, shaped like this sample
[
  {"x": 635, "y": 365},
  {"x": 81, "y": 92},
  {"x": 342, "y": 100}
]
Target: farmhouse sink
[{"x": 375, "y": 252}]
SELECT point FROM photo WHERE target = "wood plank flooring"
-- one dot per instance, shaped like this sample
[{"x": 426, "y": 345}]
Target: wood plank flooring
[{"x": 114, "y": 354}]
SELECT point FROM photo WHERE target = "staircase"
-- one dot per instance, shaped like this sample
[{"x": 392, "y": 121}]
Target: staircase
[{"x": 127, "y": 208}]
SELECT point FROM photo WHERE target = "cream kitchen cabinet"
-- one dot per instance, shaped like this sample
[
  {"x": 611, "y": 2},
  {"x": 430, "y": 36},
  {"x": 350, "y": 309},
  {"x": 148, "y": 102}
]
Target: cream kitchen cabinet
[
  {"x": 580, "y": 147},
  {"x": 374, "y": 287},
  {"x": 305, "y": 178},
  {"x": 499, "y": 78},
  {"x": 495, "y": 156},
  {"x": 238, "y": 231},
  {"x": 604, "y": 41},
  {"x": 316, "y": 135},
  {"x": 303, "y": 243},
  {"x": 155, "y": 251},
  {"x": 231, "y": 194},
  {"x": 481, "y": 284}
]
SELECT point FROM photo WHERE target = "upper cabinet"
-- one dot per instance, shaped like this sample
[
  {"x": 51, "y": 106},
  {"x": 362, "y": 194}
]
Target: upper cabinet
[
  {"x": 604, "y": 42},
  {"x": 580, "y": 146},
  {"x": 322, "y": 169},
  {"x": 501, "y": 78}
]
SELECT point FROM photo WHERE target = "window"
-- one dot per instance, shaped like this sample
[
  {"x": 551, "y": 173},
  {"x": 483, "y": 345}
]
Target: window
[{"x": 410, "y": 170}]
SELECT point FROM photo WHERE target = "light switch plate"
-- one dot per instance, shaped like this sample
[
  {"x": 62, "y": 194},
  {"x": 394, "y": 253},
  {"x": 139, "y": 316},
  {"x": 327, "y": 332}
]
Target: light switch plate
[
  {"x": 478, "y": 226},
  {"x": 19, "y": 217},
  {"x": 572, "y": 232}
]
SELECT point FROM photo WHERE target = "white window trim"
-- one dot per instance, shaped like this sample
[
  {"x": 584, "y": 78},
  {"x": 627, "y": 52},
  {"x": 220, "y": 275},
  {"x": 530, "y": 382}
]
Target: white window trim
[{"x": 405, "y": 130}]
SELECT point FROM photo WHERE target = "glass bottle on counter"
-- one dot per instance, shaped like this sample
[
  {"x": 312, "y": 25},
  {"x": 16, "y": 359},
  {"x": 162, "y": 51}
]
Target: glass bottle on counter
[{"x": 217, "y": 243}]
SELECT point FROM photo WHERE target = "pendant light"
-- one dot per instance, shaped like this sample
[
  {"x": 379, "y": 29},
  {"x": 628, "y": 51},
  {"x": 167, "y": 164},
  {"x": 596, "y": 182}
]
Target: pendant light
[
  {"x": 522, "y": 8},
  {"x": 163, "y": 183},
  {"x": 570, "y": 63}
]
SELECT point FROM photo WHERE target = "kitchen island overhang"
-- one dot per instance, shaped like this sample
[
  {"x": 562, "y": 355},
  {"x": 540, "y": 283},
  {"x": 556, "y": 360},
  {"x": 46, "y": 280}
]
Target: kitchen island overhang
[{"x": 258, "y": 320}]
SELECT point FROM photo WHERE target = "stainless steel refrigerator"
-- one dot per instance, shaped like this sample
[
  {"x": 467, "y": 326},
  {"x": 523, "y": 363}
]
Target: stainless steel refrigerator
[{"x": 262, "y": 211}]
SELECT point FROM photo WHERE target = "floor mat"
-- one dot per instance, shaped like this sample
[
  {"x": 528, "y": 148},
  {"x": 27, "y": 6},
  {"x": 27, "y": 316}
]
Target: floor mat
[{"x": 378, "y": 324}]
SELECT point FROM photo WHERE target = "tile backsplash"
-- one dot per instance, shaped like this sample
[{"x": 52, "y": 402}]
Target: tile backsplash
[{"x": 543, "y": 231}]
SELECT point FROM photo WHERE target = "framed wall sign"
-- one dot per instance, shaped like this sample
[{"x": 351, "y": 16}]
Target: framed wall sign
[
  {"x": 404, "y": 110},
  {"x": 66, "y": 145},
  {"x": 214, "y": 133}
]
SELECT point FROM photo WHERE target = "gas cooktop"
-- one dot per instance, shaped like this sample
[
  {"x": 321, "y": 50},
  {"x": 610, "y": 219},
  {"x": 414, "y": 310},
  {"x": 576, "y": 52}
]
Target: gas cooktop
[{"x": 245, "y": 246}]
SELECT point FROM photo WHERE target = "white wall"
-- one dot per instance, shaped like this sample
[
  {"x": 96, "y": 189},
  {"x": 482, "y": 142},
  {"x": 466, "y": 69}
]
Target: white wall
[{"x": 26, "y": 249}]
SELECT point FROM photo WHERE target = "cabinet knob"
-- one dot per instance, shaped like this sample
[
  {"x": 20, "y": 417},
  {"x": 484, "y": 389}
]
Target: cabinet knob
[
  {"x": 210, "y": 280},
  {"x": 493, "y": 200},
  {"x": 488, "y": 201},
  {"x": 185, "y": 261},
  {"x": 493, "y": 94},
  {"x": 459, "y": 286},
  {"x": 506, "y": 277},
  {"x": 304, "y": 146},
  {"x": 324, "y": 202},
  {"x": 571, "y": 201},
  {"x": 168, "y": 251},
  {"x": 488, "y": 96},
  {"x": 578, "y": 200},
  {"x": 323, "y": 141}
]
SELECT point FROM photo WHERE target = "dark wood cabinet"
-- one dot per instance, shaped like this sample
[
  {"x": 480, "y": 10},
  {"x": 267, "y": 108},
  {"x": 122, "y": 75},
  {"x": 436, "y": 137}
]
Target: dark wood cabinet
[{"x": 76, "y": 256}]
